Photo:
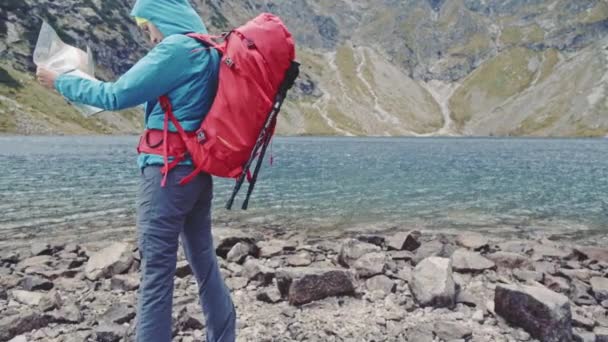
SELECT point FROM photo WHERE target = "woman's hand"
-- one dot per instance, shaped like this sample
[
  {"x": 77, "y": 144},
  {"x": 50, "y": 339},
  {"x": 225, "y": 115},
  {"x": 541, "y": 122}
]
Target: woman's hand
[{"x": 46, "y": 77}]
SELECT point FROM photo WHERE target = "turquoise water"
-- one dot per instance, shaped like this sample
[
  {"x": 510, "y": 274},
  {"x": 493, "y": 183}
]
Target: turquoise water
[{"x": 85, "y": 183}]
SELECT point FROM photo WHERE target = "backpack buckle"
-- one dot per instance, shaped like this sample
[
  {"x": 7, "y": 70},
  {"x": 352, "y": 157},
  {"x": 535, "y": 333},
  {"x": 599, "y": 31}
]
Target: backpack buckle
[
  {"x": 200, "y": 136},
  {"x": 229, "y": 62}
]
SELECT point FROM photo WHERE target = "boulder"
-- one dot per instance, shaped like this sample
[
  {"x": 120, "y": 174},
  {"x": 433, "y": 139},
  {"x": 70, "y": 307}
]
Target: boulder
[
  {"x": 598, "y": 254},
  {"x": 434, "y": 248},
  {"x": 373, "y": 239},
  {"x": 114, "y": 259},
  {"x": 24, "y": 321},
  {"x": 465, "y": 261},
  {"x": 305, "y": 285},
  {"x": 35, "y": 283},
  {"x": 352, "y": 249},
  {"x": 601, "y": 334},
  {"x": 254, "y": 270},
  {"x": 541, "y": 312},
  {"x": 433, "y": 283},
  {"x": 474, "y": 241},
  {"x": 68, "y": 314},
  {"x": 118, "y": 313},
  {"x": 299, "y": 260},
  {"x": 224, "y": 240},
  {"x": 125, "y": 282},
  {"x": 240, "y": 251},
  {"x": 449, "y": 331},
  {"x": 182, "y": 269},
  {"x": 189, "y": 321},
  {"x": 270, "y": 295},
  {"x": 110, "y": 332},
  {"x": 28, "y": 297},
  {"x": 41, "y": 248},
  {"x": 36, "y": 261},
  {"x": 407, "y": 241},
  {"x": 381, "y": 283},
  {"x": 509, "y": 260},
  {"x": 236, "y": 283},
  {"x": 599, "y": 286},
  {"x": 370, "y": 264}
]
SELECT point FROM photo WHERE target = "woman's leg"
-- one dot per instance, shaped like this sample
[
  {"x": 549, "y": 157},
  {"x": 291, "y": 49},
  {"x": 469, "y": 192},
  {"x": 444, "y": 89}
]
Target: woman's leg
[
  {"x": 161, "y": 216},
  {"x": 198, "y": 247}
]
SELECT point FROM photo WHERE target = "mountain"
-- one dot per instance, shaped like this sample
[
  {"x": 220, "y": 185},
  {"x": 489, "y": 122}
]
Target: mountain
[{"x": 381, "y": 67}]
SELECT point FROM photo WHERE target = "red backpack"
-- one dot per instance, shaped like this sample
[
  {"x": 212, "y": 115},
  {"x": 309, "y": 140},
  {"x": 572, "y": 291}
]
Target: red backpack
[{"x": 257, "y": 68}]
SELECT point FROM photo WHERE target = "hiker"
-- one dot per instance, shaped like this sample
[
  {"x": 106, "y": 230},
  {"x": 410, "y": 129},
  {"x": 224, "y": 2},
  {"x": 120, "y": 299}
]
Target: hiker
[{"x": 187, "y": 72}]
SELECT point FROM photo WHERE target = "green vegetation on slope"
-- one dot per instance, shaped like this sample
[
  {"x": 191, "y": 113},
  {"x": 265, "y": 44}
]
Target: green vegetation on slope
[
  {"x": 492, "y": 83},
  {"x": 33, "y": 105}
]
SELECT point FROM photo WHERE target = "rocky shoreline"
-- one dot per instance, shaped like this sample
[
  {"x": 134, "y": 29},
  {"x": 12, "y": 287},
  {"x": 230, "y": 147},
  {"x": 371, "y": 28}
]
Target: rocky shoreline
[{"x": 398, "y": 286}]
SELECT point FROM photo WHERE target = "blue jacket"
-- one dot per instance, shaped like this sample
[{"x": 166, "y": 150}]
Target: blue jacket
[{"x": 179, "y": 67}]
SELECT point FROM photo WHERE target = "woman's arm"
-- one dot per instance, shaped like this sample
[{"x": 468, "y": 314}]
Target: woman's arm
[{"x": 161, "y": 70}]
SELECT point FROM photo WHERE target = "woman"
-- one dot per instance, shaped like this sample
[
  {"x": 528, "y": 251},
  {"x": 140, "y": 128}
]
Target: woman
[{"x": 187, "y": 73}]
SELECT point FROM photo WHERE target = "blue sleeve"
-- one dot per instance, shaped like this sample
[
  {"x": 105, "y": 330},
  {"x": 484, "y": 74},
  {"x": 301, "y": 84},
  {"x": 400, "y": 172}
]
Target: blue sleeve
[{"x": 161, "y": 70}]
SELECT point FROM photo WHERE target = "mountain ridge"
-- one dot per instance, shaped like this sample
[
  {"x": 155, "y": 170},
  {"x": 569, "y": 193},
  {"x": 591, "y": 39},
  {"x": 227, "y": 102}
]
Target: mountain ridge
[{"x": 380, "y": 68}]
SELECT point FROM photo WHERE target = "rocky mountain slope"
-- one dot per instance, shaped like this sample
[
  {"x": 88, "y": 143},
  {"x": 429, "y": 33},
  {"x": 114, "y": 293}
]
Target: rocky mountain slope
[{"x": 382, "y": 67}]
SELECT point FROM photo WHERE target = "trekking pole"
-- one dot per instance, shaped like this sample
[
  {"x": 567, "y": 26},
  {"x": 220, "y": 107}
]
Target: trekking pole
[{"x": 263, "y": 139}]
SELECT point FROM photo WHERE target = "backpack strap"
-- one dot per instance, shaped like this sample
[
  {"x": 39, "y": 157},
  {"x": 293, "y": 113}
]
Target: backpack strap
[
  {"x": 165, "y": 104},
  {"x": 210, "y": 40}
]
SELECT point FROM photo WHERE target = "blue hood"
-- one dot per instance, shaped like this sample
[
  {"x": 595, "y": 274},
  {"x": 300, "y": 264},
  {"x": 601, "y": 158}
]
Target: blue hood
[{"x": 170, "y": 16}]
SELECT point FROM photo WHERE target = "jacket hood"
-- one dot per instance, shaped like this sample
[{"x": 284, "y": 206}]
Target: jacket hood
[{"x": 170, "y": 16}]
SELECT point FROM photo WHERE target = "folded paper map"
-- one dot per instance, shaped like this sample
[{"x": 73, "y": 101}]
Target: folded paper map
[{"x": 52, "y": 53}]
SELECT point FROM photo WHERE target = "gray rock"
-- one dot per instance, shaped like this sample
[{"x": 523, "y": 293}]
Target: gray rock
[
  {"x": 189, "y": 321},
  {"x": 541, "y": 312},
  {"x": 601, "y": 334},
  {"x": 557, "y": 284},
  {"x": 373, "y": 239},
  {"x": 254, "y": 270},
  {"x": 182, "y": 269},
  {"x": 299, "y": 260},
  {"x": 404, "y": 241},
  {"x": 50, "y": 301},
  {"x": 420, "y": 333},
  {"x": 37, "y": 261},
  {"x": 465, "y": 261},
  {"x": 592, "y": 253},
  {"x": 305, "y": 285},
  {"x": 39, "y": 248},
  {"x": 3, "y": 293},
  {"x": 451, "y": 330},
  {"x": 580, "y": 274},
  {"x": 236, "y": 283},
  {"x": 434, "y": 248},
  {"x": 370, "y": 264},
  {"x": 580, "y": 335},
  {"x": 467, "y": 298},
  {"x": 509, "y": 260},
  {"x": 10, "y": 257},
  {"x": 474, "y": 241},
  {"x": 27, "y": 297},
  {"x": 401, "y": 255},
  {"x": 599, "y": 286},
  {"x": 110, "y": 332},
  {"x": 240, "y": 251},
  {"x": 581, "y": 321},
  {"x": 125, "y": 282},
  {"x": 24, "y": 321},
  {"x": 114, "y": 259},
  {"x": 68, "y": 314},
  {"x": 20, "y": 338},
  {"x": 271, "y": 248},
  {"x": 35, "y": 283},
  {"x": 527, "y": 276},
  {"x": 580, "y": 293},
  {"x": 352, "y": 249},
  {"x": 118, "y": 313},
  {"x": 550, "y": 250},
  {"x": 433, "y": 283},
  {"x": 224, "y": 241},
  {"x": 381, "y": 283},
  {"x": 269, "y": 295}
]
